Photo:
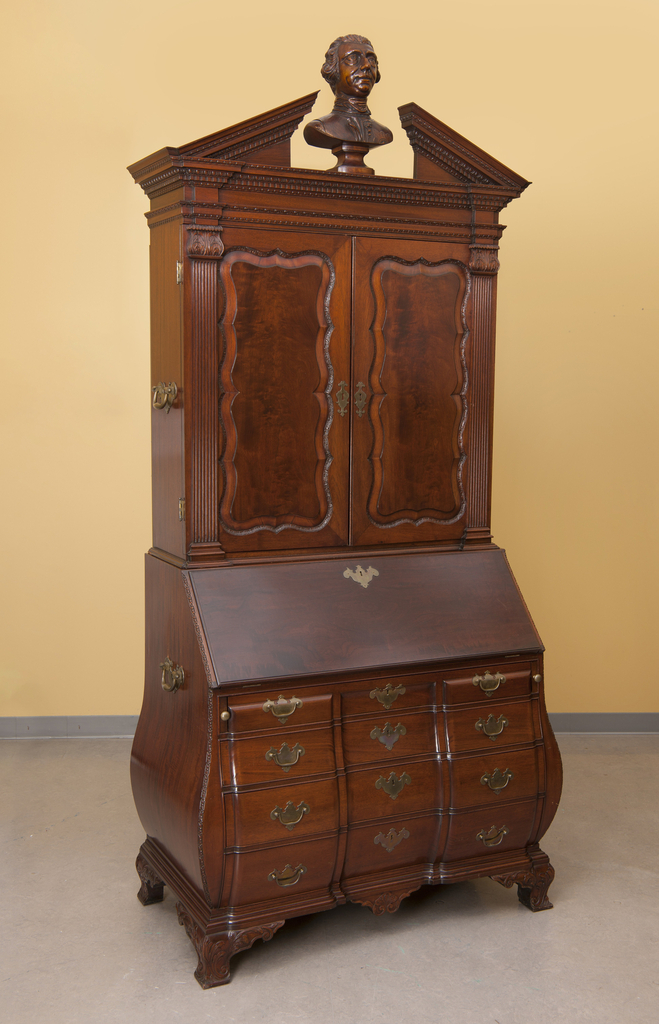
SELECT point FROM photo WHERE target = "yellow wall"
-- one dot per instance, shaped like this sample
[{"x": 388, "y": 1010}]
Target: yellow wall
[{"x": 559, "y": 92}]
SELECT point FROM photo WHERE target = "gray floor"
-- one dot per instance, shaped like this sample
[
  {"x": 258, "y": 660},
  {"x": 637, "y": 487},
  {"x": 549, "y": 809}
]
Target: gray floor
[{"x": 79, "y": 947}]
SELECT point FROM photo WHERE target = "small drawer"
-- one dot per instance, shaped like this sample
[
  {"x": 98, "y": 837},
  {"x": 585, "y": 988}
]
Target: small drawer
[
  {"x": 387, "y": 792},
  {"x": 388, "y": 738},
  {"x": 487, "y": 728},
  {"x": 268, "y": 815},
  {"x": 390, "y": 844},
  {"x": 485, "y": 833},
  {"x": 389, "y": 695},
  {"x": 277, "y": 759},
  {"x": 493, "y": 778},
  {"x": 498, "y": 682},
  {"x": 278, "y": 710},
  {"x": 284, "y": 871}
]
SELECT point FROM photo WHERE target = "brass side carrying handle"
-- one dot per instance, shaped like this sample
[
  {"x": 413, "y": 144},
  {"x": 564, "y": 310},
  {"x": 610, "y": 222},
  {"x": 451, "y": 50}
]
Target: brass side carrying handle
[
  {"x": 291, "y": 815},
  {"x": 286, "y": 756},
  {"x": 283, "y": 707},
  {"x": 493, "y": 836},
  {"x": 289, "y": 876},
  {"x": 164, "y": 395},
  {"x": 388, "y": 695},
  {"x": 489, "y": 683},
  {"x": 493, "y": 727},
  {"x": 172, "y": 675}
]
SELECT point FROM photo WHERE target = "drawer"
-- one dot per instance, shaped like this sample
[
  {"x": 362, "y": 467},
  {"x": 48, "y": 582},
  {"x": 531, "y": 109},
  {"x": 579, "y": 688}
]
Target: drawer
[
  {"x": 376, "y": 848},
  {"x": 283, "y": 709},
  {"x": 306, "y": 809},
  {"x": 486, "y": 728},
  {"x": 493, "y": 778},
  {"x": 385, "y": 695},
  {"x": 499, "y": 681},
  {"x": 248, "y": 761},
  {"x": 485, "y": 833},
  {"x": 384, "y": 793},
  {"x": 283, "y": 871},
  {"x": 388, "y": 738}
]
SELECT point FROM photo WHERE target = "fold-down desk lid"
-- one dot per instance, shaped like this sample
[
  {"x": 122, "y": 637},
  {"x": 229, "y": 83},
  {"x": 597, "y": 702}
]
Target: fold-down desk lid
[{"x": 294, "y": 619}]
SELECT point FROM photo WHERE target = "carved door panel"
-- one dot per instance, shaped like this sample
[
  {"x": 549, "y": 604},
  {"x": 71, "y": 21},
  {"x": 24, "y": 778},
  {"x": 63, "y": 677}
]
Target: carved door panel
[
  {"x": 284, "y": 369},
  {"x": 410, "y": 382}
]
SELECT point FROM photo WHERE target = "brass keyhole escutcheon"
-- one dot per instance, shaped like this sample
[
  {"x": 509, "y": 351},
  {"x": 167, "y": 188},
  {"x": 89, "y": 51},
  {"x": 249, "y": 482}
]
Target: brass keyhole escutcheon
[
  {"x": 283, "y": 707},
  {"x": 389, "y": 735},
  {"x": 489, "y": 683},
  {"x": 164, "y": 395},
  {"x": 493, "y": 727},
  {"x": 360, "y": 399},
  {"x": 172, "y": 675},
  {"x": 388, "y": 695},
  {"x": 361, "y": 576},
  {"x": 286, "y": 756},
  {"x": 498, "y": 780},
  {"x": 392, "y": 838},
  {"x": 393, "y": 786},
  {"x": 342, "y": 398}
]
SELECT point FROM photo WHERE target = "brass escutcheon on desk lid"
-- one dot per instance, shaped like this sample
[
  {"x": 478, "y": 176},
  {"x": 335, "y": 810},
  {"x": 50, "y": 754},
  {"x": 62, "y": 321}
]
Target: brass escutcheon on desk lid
[
  {"x": 291, "y": 815},
  {"x": 389, "y": 735},
  {"x": 493, "y": 727},
  {"x": 489, "y": 683},
  {"x": 387, "y": 695},
  {"x": 286, "y": 756},
  {"x": 498, "y": 780},
  {"x": 283, "y": 707},
  {"x": 361, "y": 576},
  {"x": 392, "y": 838},
  {"x": 289, "y": 876},
  {"x": 393, "y": 786},
  {"x": 493, "y": 836}
]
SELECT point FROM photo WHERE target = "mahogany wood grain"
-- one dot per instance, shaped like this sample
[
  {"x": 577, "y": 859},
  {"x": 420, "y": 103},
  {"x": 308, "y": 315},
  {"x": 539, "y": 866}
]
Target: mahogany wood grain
[
  {"x": 464, "y": 829},
  {"x": 461, "y": 689},
  {"x": 467, "y": 789},
  {"x": 367, "y": 801},
  {"x": 244, "y": 762},
  {"x": 463, "y": 733},
  {"x": 415, "y": 838},
  {"x": 419, "y": 738}
]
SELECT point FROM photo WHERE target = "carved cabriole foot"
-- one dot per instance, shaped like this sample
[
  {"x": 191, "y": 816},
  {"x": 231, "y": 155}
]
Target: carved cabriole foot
[
  {"x": 215, "y": 953},
  {"x": 151, "y": 889},
  {"x": 532, "y": 884}
]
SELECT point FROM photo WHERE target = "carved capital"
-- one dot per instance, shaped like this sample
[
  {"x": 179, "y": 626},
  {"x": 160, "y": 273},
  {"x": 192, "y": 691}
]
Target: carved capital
[
  {"x": 484, "y": 259},
  {"x": 206, "y": 244}
]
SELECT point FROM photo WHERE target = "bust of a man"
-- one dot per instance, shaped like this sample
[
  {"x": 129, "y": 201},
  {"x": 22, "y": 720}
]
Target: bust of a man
[{"x": 351, "y": 69}]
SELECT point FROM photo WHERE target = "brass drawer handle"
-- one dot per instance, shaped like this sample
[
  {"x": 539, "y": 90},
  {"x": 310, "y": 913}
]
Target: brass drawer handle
[
  {"x": 393, "y": 786},
  {"x": 388, "y": 695},
  {"x": 392, "y": 838},
  {"x": 497, "y": 780},
  {"x": 342, "y": 398},
  {"x": 164, "y": 395},
  {"x": 291, "y": 815},
  {"x": 289, "y": 876},
  {"x": 492, "y": 837},
  {"x": 173, "y": 675},
  {"x": 286, "y": 756},
  {"x": 282, "y": 708},
  {"x": 389, "y": 735},
  {"x": 489, "y": 683},
  {"x": 493, "y": 727}
]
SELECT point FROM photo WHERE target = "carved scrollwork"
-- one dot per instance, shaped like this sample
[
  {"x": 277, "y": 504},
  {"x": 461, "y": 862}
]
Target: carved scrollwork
[
  {"x": 385, "y": 903},
  {"x": 207, "y": 244},
  {"x": 532, "y": 885},
  {"x": 151, "y": 889},
  {"x": 214, "y": 954}
]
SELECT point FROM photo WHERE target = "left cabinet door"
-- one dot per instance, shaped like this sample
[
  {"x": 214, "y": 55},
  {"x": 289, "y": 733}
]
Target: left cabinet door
[{"x": 283, "y": 373}]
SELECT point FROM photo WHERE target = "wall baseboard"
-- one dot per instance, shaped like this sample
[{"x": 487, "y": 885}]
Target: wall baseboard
[{"x": 53, "y": 726}]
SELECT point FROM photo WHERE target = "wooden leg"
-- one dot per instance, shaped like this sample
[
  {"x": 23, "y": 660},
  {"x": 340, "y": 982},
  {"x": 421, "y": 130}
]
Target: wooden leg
[
  {"x": 151, "y": 889},
  {"x": 533, "y": 883},
  {"x": 215, "y": 953}
]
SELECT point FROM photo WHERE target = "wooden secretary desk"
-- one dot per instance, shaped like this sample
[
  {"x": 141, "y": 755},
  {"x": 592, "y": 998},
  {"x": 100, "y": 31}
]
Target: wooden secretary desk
[{"x": 344, "y": 696}]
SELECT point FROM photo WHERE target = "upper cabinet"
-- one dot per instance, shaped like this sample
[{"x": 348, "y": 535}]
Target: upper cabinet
[{"x": 322, "y": 344}]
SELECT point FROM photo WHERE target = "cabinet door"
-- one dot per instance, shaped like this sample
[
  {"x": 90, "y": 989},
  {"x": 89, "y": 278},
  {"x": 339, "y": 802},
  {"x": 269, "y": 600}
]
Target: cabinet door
[
  {"x": 284, "y": 370},
  {"x": 410, "y": 381}
]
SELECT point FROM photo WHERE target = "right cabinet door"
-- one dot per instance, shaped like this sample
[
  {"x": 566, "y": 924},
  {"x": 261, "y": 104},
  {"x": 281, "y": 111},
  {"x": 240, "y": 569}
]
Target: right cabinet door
[{"x": 409, "y": 387}]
